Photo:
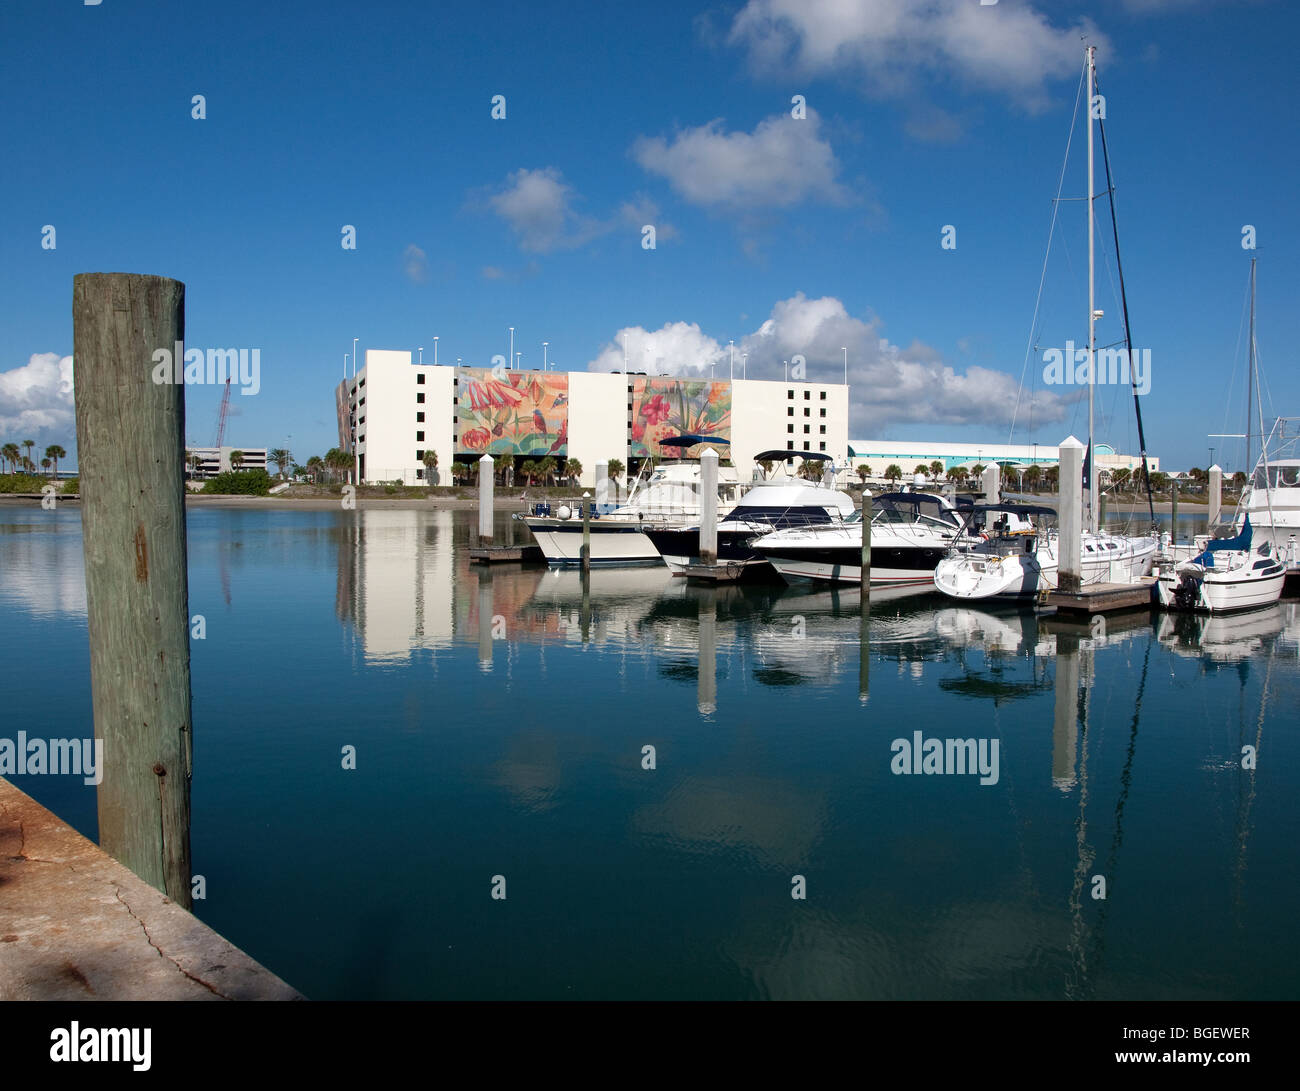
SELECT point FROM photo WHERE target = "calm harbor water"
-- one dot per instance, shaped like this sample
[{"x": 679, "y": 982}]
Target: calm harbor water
[{"x": 499, "y": 720}]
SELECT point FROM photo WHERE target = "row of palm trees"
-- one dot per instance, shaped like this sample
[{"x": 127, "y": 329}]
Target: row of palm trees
[{"x": 20, "y": 462}]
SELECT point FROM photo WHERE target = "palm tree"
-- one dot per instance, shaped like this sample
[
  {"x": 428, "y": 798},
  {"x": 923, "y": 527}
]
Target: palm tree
[
  {"x": 936, "y": 469},
  {"x": 45, "y": 462},
  {"x": 314, "y": 465},
  {"x": 957, "y": 475},
  {"x": 236, "y": 459},
  {"x": 296, "y": 471},
  {"x": 29, "y": 444},
  {"x": 572, "y": 469},
  {"x": 1052, "y": 475},
  {"x": 430, "y": 464},
  {"x": 11, "y": 453},
  {"x": 546, "y": 468},
  {"x": 281, "y": 457},
  {"x": 1032, "y": 476},
  {"x": 615, "y": 470},
  {"x": 978, "y": 469},
  {"x": 893, "y": 473},
  {"x": 1120, "y": 477},
  {"x": 864, "y": 472},
  {"x": 921, "y": 468},
  {"x": 55, "y": 452}
]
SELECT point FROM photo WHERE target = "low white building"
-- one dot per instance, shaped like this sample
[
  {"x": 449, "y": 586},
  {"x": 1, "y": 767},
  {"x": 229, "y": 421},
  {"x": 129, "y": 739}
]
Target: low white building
[
  {"x": 391, "y": 412},
  {"x": 908, "y": 454},
  {"x": 216, "y": 460}
]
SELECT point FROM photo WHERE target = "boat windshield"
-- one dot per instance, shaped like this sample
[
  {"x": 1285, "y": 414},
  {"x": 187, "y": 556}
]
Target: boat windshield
[
  {"x": 915, "y": 508},
  {"x": 1283, "y": 476}
]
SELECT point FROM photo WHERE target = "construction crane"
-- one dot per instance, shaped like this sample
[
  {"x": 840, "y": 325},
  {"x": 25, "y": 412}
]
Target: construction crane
[{"x": 221, "y": 417}]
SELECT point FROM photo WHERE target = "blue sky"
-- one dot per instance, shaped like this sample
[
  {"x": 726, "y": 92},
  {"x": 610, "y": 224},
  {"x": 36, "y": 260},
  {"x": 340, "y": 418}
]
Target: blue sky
[{"x": 787, "y": 235}]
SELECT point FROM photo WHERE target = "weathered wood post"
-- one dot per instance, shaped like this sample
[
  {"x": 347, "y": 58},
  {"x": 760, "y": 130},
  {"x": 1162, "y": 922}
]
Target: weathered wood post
[
  {"x": 865, "y": 574},
  {"x": 486, "y": 505},
  {"x": 586, "y": 532},
  {"x": 709, "y": 506},
  {"x": 1173, "y": 513},
  {"x": 128, "y": 332},
  {"x": 864, "y": 652},
  {"x": 1215, "y": 499},
  {"x": 1069, "y": 545},
  {"x": 485, "y": 617}
]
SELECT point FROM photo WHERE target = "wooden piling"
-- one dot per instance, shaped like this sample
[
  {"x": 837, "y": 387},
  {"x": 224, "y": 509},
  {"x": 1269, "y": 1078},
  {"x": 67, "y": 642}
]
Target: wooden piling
[
  {"x": 1069, "y": 543},
  {"x": 130, "y": 412},
  {"x": 486, "y": 483},
  {"x": 586, "y": 532},
  {"x": 708, "y": 506}
]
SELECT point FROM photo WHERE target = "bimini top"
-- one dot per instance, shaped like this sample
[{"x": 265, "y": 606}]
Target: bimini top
[
  {"x": 691, "y": 441},
  {"x": 785, "y": 456},
  {"x": 1015, "y": 509}
]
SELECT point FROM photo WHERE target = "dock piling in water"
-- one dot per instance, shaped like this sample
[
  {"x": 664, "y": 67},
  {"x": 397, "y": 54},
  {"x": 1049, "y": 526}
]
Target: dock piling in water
[
  {"x": 485, "y": 499},
  {"x": 865, "y": 577},
  {"x": 1216, "y": 496},
  {"x": 128, "y": 332},
  {"x": 709, "y": 506},
  {"x": 1173, "y": 500},
  {"x": 1069, "y": 562}
]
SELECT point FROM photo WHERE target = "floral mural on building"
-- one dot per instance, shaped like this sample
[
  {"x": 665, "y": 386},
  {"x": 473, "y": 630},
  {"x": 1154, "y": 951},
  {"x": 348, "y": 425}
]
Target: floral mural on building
[
  {"x": 512, "y": 413},
  {"x": 670, "y": 407}
]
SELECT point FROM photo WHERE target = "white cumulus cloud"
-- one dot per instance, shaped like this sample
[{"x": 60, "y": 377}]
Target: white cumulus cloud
[
  {"x": 890, "y": 384},
  {"x": 36, "y": 403},
  {"x": 783, "y": 162},
  {"x": 1009, "y": 48}
]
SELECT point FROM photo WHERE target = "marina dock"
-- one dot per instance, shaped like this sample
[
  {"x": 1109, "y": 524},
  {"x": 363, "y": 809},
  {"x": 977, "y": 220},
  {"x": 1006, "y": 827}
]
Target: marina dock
[
  {"x": 1102, "y": 598},
  {"x": 80, "y": 926},
  {"x": 515, "y": 554}
]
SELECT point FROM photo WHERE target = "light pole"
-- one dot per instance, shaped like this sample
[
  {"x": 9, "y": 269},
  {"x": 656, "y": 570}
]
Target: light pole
[
  {"x": 345, "y": 365},
  {"x": 844, "y": 350},
  {"x": 744, "y": 365},
  {"x": 625, "y": 352},
  {"x": 458, "y": 361},
  {"x": 544, "y": 344},
  {"x": 435, "y": 350},
  {"x": 422, "y": 356},
  {"x": 354, "y": 356},
  {"x": 787, "y": 369},
  {"x": 733, "y": 359},
  {"x": 518, "y": 357},
  {"x": 511, "y": 358}
]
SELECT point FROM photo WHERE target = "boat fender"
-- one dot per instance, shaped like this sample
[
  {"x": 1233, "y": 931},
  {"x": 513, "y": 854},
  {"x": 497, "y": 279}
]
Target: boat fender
[{"x": 563, "y": 511}]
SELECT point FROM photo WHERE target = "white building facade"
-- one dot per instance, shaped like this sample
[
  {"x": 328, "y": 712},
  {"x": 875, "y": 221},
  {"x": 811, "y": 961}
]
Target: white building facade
[{"x": 391, "y": 412}]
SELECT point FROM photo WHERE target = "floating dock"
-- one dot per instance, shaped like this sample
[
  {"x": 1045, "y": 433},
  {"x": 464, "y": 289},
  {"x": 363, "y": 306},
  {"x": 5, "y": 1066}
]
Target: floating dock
[
  {"x": 722, "y": 572},
  {"x": 1102, "y": 598},
  {"x": 516, "y": 554}
]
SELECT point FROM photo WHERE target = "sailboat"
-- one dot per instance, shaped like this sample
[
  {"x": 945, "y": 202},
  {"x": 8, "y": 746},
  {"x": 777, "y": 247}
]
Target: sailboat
[
  {"x": 1233, "y": 573},
  {"x": 1016, "y": 557}
]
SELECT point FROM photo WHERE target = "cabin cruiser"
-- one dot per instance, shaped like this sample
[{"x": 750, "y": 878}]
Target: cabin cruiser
[
  {"x": 910, "y": 533},
  {"x": 777, "y": 503},
  {"x": 667, "y": 491},
  {"x": 1017, "y": 558},
  {"x": 1231, "y": 574}
]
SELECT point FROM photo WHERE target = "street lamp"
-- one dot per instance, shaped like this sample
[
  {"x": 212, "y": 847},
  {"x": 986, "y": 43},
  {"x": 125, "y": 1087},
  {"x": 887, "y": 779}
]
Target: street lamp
[
  {"x": 345, "y": 365},
  {"x": 787, "y": 369},
  {"x": 510, "y": 359},
  {"x": 844, "y": 350},
  {"x": 733, "y": 359},
  {"x": 435, "y": 350},
  {"x": 518, "y": 357},
  {"x": 744, "y": 365},
  {"x": 354, "y": 355},
  {"x": 544, "y": 344},
  {"x": 422, "y": 356}
]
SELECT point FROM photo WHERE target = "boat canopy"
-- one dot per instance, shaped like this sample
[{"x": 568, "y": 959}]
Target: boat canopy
[
  {"x": 785, "y": 456},
  {"x": 691, "y": 440},
  {"x": 1014, "y": 509},
  {"x": 1223, "y": 545}
]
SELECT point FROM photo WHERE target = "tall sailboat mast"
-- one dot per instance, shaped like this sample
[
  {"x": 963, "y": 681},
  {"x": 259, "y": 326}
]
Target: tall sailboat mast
[
  {"x": 1093, "y": 476},
  {"x": 1250, "y": 375}
]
